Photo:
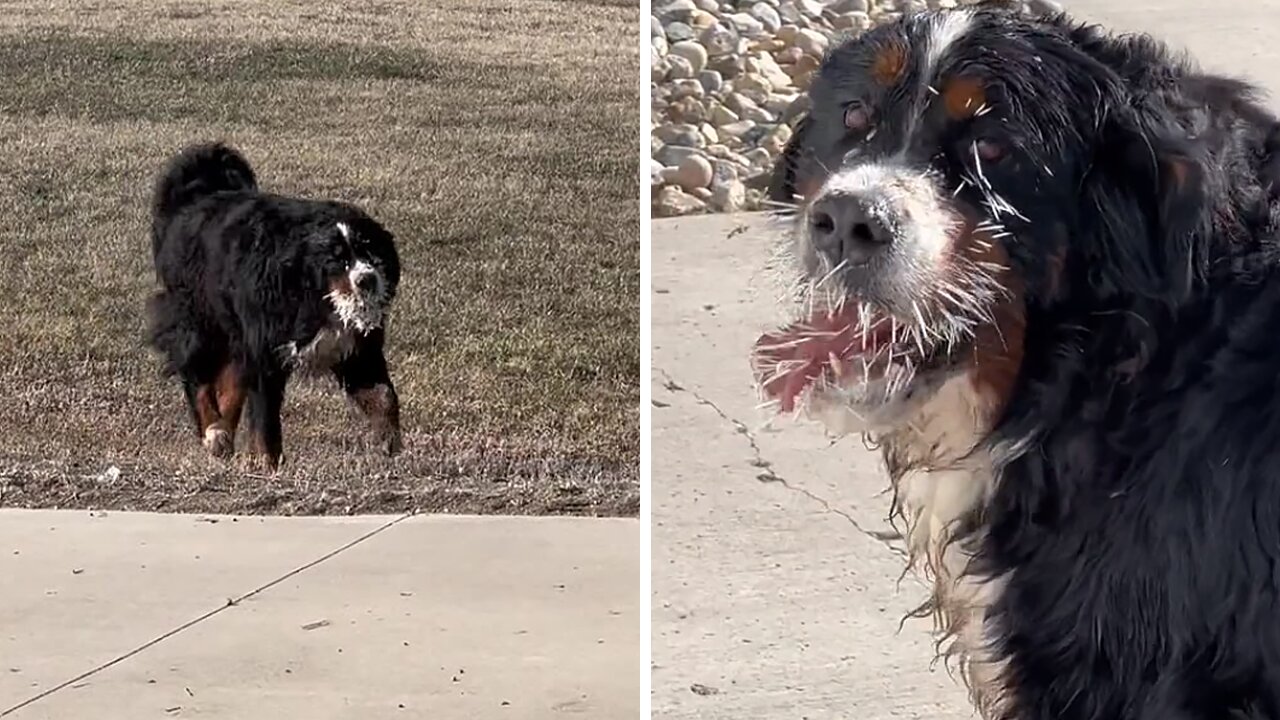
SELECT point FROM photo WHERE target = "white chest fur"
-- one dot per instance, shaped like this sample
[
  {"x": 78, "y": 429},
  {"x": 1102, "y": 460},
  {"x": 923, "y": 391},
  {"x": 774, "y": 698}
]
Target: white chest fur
[
  {"x": 322, "y": 352},
  {"x": 940, "y": 480}
]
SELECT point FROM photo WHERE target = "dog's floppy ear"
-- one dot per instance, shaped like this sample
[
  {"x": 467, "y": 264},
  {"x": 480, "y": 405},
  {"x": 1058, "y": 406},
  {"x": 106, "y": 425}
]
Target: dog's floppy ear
[{"x": 1149, "y": 191}]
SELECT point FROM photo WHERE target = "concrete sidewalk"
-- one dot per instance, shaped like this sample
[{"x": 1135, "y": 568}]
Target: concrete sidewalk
[
  {"x": 430, "y": 617},
  {"x": 775, "y": 585}
]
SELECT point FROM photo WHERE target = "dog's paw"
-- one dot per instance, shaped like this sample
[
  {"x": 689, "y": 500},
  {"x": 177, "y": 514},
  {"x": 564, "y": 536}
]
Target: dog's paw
[
  {"x": 391, "y": 443},
  {"x": 218, "y": 442}
]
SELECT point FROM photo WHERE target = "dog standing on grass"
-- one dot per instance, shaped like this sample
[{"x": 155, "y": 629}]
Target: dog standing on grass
[{"x": 257, "y": 286}]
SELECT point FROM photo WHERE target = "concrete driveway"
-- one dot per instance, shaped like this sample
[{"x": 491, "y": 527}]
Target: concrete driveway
[
  {"x": 775, "y": 587},
  {"x": 360, "y": 618}
]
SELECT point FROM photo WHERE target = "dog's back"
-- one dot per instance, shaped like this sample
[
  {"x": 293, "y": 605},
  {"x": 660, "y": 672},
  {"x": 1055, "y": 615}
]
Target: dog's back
[{"x": 195, "y": 173}]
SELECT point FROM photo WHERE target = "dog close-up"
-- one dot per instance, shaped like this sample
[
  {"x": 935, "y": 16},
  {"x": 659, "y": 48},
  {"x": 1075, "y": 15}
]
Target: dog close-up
[
  {"x": 257, "y": 287},
  {"x": 1035, "y": 263}
]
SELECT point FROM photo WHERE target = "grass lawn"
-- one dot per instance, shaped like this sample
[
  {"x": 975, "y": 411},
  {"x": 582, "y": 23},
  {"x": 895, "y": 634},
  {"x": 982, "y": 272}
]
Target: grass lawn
[{"x": 497, "y": 141}]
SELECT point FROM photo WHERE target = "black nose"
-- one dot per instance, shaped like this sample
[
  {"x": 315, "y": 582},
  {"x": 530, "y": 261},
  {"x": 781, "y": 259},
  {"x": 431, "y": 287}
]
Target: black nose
[
  {"x": 367, "y": 283},
  {"x": 843, "y": 230}
]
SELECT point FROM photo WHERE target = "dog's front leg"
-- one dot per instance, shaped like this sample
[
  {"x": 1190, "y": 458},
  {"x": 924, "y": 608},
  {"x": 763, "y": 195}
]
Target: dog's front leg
[{"x": 363, "y": 376}]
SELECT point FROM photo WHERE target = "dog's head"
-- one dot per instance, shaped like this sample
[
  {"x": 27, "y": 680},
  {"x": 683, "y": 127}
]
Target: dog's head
[
  {"x": 955, "y": 168},
  {"x": 359, "y": 270}
]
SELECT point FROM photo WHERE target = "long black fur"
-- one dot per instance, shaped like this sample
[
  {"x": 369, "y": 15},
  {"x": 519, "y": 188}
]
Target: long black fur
[
  {"x": 1138, "y": 528},
  {"x": 245, "y": 276}
]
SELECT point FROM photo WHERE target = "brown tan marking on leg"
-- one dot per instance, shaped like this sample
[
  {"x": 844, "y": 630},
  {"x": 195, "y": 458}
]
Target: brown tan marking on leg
[
  {"x": 219, "y": 438},
  {"x": 206, "y": 406},
  {"x": 380, "y": 404}
]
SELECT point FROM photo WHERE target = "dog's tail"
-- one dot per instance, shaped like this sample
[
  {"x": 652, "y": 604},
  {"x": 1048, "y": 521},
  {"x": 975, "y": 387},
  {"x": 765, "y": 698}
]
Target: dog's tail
[{"x": 197, "y": 171}]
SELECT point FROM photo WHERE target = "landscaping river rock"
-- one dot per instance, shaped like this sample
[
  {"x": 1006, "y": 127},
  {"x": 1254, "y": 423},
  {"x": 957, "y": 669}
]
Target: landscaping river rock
[{"x": 728, "y": 81}]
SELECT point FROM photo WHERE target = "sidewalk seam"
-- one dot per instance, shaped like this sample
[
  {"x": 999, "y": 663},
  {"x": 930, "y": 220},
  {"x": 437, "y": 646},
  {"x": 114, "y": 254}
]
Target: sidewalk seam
[
  {"x": 767, "y": 474},
  {"x": 231, "y": 602}
]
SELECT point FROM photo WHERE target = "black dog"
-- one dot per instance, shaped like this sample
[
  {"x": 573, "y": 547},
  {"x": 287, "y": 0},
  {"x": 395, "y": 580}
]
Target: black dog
[
  {"x": 259, "y": 285},
  {"x": 1040, "y": 266}
]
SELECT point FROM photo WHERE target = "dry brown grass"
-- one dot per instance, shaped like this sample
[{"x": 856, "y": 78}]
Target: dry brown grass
[{"x": 498, "y": 143}]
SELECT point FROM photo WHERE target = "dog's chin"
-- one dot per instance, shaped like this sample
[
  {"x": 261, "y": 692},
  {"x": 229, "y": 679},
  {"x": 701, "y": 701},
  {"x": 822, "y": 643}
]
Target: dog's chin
[
  {"x": 358, "y": 311},
  {"x": 875, "y": 405}
]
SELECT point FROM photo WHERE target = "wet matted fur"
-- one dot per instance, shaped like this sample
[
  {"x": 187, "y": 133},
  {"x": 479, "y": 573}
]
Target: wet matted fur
[
  {"x": 257, "y": 286},
  {"x": 1037, "y": 264}
]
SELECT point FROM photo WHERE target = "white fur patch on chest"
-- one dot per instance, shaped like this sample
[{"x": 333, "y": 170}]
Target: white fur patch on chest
[
  {"x": 329, "y": 346},
  {"x": 941, "y": 478}
]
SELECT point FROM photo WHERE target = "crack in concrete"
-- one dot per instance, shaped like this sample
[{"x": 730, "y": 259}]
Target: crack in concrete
[{"x": 767, "y": 474}]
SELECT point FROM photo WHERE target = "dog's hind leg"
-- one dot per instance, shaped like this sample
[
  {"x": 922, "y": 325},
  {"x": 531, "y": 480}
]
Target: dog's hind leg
[
  {"x": 229, "y": 396},
  {"x": 363, "y": 376},
  {"x": 202, "y": 402},
  {"x": 265, "y": 397}
]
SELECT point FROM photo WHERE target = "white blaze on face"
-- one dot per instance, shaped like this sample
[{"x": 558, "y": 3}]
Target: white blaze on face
[
  {"x": 357, "y": 307},
  {"x": 945, "y": 30},
  {"x": 358, "y": 273}
]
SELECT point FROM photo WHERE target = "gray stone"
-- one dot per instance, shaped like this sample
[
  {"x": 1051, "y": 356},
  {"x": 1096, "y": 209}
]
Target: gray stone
[
  {"x": 678, "y": 32},
  {"x": 703, "y": 194},
  {"x": 710, "y": 6},
  {"x": 695, "y": 172},
  {"x": 668, "y": 10},
  {"x": 728, "y": 196},
  {"x": 680, "y": 68},
  {"x": 658, "y": 66},
  {"x": 759, "y": 158},
  {"x": 655, "y": 27},
  {"x": 721, "y": 39},
  {"x": 723, "y": 170},
  {"x": 757, "y": 114},
  {"x": 767, "y": 16},
  {"x": 673, "y": 202},
  {"x": 736, "y": 101},
  {"x": 702, "y": 20},
  {"x": 688, "y": 110},
  {"x": 854, "y": 22},
  {"x": 721, "y": 115},
  {"x": 735, "y": 129},
  {"x": 843, "y": 7},
  {"x": 778, "y": 104},
  {"x": 711, "y": 81},
  {"x": 729, "y": 66},
  {"x": 772, "y": 72},
  {"x": 693, "y": 52},
  {"x": 753, "y": 86},
  {"x": 811, "y": 42},
  {"x": 673, "y": 155},
  {"x": 709, "y": 133},
  {"x": 686, "y": 88},
  {"x": 682, "y": 134},
  {"x": 657, "y": 173},
  {"x": 746, "y": 24}
]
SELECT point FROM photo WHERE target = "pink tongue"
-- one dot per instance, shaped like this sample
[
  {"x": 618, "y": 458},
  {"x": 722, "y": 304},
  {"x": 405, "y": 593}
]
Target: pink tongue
[{"x": 788, "y": 361}]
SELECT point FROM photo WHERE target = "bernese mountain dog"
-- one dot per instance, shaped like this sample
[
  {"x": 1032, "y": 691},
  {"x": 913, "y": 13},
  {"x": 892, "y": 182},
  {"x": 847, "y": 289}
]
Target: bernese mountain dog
[
  {"x": 1038, "y": 266},
  {"x": 256, "y": 286}
]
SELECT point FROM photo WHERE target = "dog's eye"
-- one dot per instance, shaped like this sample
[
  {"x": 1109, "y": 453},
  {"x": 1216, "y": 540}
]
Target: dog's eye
[
  {"x": 989, "y": 150},
  {"x": 857, "y": 117}
]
